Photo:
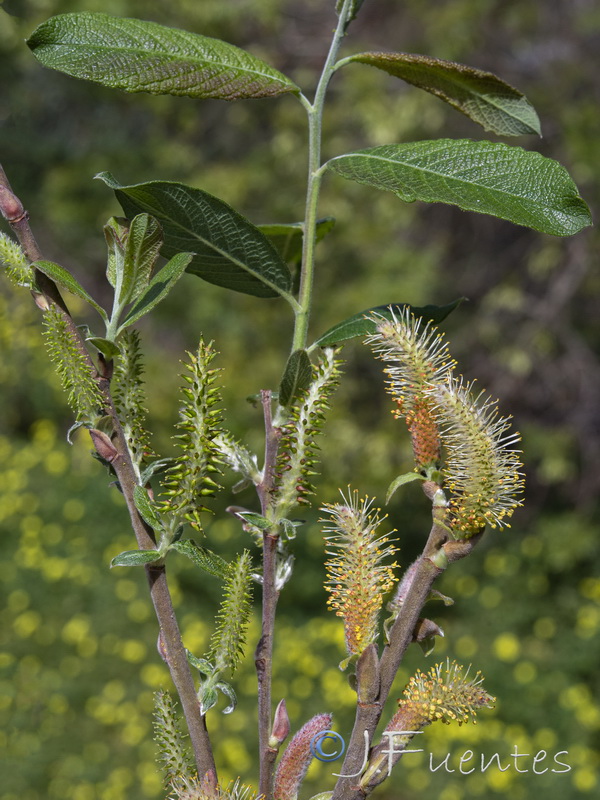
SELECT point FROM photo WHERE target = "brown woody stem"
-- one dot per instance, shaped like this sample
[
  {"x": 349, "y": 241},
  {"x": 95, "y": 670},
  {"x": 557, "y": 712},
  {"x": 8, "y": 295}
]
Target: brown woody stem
[{"x": 264, "y": 650}]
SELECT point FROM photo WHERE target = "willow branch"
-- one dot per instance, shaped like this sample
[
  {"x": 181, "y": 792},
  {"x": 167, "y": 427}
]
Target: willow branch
[
  {"x": 46, "y": 294},
  {"x": 264, "y": 650}
]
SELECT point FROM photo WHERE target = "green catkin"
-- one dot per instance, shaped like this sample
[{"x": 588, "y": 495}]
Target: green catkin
[
  {"x": 297, "y": 458},
  {"x": 128, "y": 394},
  {"x": 73, "y": 367},
  {"x": 229, "y": 638},
  {"x": 190, "y": 478},
  {"x": 16, "y": 263},
  {"x": 173, "y": 755}
]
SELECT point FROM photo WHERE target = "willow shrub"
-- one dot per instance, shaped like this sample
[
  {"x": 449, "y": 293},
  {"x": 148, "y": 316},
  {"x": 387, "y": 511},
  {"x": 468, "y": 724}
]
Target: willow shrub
[{"x": 466, "y": 456}]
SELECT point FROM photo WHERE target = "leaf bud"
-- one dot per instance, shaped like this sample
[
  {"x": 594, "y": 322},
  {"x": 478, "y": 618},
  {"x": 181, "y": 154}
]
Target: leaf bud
[{"x": 281, "y": 726}]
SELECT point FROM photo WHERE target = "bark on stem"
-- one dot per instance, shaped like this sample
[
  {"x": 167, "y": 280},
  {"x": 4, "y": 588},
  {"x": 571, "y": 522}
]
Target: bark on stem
[
  {"x": 264, "y": 650},
  {"x": 18, "y": 219}
]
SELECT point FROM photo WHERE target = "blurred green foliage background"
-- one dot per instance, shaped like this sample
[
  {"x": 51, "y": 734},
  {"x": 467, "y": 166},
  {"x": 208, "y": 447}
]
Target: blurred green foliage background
[{"x": 77, "y": 651}]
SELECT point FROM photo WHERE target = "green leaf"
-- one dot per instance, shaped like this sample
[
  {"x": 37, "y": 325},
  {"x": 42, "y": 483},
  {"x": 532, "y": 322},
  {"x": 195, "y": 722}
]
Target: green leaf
[
  {"x": 201, "y": 664},
  {"x": 208, "y": 698},
  {"x": 408, "y": 477},
  {"x": 115, "y": 233},
  {"x": 507, "y": 182},
  {"x": 139, "y": 56},
  {"x": 362, "y": 324},
  {"x": 64, "y": 279},
  {"x": 286, "y": 238},
  {"x": 108, "y": 349},
  {"x": 159, "y": 288},
  {"x": 297, "y": 376},
  {"x": 142, "y": 249},
  {"x": 146, "y": 509},
  {"x": 257, "y": 520},
  {"x": 289, "y": 527},
  {"x": 202, "y": 557},
  {"x": 154, "y": 468},
  {"x": 135, "y": 558},
  {"x": 495, "y": 105},
  {"x": 229, "y": 250},
  {"x": 229, "y": 693}
]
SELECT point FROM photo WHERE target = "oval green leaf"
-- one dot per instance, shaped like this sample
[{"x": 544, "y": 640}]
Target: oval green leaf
[
  {"x": 135, "y": 558},
  {"x": 202, "y": 557},
  {"x": 495, "y": 105},
  {"x": 229, "y": 250},
  {"x": 108, "y": 349},
  {"x": 207, "y": 696},
  {"x": 138, "y": 56},
  {"x": 64, "y": 279},
  {"x": 296, "y": 377},
  {"x": 229, "y": 693},
  {"x": 362, "y": 324},
  {"x": 159, "y": 288},
  {"x": 144, "y": 506},
  {"x": 408, "y": 477},
  {"x": 142, "y": 248},
  {"x": 201, "y": 664},
  {"x": 507, "y": 182},
  {"x": 257, "y": 520}
]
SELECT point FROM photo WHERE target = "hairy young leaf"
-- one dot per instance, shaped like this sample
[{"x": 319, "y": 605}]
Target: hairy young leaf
[
  {"x": 154, "y": 468},
  {"x": 286, "y": 238},
  {"x": 407, "y": 477},
  {"x": 201, "y": 664},
  {"x": 64, "y": 279},
  {"x": 229, "y": 693},
  {"x": 202, "y": 557},
  {"x": 495, "y": 105},
  {"x": 362, "y": 324},
  {"x": 229, "y": 250},
  {"x": 507, "y": 182},
  {"x": 108, "y": 349},
  {"x": 142, "y": 249},
  {"x": 146, "y": 509},
  {"x": 257, "y": 520},
  {"x": 297, "y": 376},
  {"x": 159, "y": 288},
  {"x": 135, "y": 558},
  {"x": 207, "y": 698},
  {"x": 139, "y": 56}
]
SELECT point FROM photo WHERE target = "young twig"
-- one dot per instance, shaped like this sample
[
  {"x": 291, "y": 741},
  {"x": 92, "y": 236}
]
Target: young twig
[
  {"x": 270, "y": 596},
  {"x": 15, "y": 214}
]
